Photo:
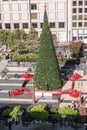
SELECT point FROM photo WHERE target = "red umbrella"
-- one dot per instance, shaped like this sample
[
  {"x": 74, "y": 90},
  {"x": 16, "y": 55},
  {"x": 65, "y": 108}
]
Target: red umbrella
[
  {"x": 27, "y": 76},
  {"x": 75, "y": 93}
]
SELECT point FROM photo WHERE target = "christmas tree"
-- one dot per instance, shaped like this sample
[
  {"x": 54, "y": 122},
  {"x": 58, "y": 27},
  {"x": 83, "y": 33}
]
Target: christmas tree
[{"x": 47, "y": 72}]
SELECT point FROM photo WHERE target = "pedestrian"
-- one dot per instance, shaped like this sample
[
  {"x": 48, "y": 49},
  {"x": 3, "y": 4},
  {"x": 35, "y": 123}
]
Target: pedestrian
[
  {"x": 73, "y": 104},
  {"x": 9, "y": 93},
  {"x": 16, "y": 76},
  {"x": 5, "y": 77},
  {"x": 86, "y": 128},
  {"x": 82, "y": 99},
  {"x": 10, "y": 125},
  {"x": 29, "y": 70},
  {"x": 77, "y": 103},
  {"x": 42, "y": 95},
  {"x": 59, "y": 99}
]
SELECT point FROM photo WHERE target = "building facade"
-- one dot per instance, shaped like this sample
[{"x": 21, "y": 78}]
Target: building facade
[
  {"x": 67, "y": 18},
  {"x": 79, "y": 19}
]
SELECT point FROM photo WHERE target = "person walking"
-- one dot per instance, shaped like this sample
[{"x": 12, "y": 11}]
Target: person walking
[
  {"x": 10, "y": 125},
  {"x": 9, "y": 93}
]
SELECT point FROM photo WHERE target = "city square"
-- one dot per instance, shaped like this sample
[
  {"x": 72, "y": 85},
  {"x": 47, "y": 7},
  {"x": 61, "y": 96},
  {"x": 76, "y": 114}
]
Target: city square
[{"x": 43, "y": 65}]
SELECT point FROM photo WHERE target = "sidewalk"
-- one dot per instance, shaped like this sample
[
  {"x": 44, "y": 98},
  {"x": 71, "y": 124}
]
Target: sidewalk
[{"x": 56, "y": 126}]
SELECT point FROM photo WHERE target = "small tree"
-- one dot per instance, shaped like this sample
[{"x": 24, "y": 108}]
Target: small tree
[
  {"x": 47, "y": 73},
  {"x": 76, "y": 48},
  {"x": 33, "y": 40},
  {"x": 4, "y": 34},
  {"x": 81, "y": 52}
]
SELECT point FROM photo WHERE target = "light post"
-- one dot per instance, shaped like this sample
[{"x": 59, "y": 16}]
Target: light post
[
  {"x": 20, "y": 114},
  {"x": 33, "y": 95},
  {"x": 63, "y": 117}
]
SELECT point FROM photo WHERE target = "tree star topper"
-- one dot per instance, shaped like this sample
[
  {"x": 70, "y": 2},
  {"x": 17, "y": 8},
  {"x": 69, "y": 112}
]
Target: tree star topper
[{"x": 45, "y": 6}]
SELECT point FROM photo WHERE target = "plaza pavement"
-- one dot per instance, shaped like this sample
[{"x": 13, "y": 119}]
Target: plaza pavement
[{"x": 6, "y": 85}]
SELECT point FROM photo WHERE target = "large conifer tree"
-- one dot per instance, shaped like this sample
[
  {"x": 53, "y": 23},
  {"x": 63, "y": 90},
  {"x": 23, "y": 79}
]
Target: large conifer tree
[{"x": 47, "y": 73}]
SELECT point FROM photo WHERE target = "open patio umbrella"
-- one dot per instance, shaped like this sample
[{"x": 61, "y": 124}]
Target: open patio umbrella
[
  {"x": 27, "y": 76},
  {"x": 74, "y": 93}
]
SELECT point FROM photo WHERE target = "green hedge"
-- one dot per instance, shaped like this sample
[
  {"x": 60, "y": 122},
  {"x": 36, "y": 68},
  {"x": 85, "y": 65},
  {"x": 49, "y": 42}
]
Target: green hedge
[
  {"x": 38, "y": 112},
  {"x": 24, "y": 57},
  {"x": 70, "y": 112}
]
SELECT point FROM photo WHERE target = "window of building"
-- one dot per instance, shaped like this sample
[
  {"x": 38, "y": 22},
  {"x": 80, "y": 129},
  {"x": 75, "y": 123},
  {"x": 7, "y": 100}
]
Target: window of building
[
  {"x": 80, "y": 38},
  {"x": 33, "y": 6},
  {"x": 7, "y": 26},
  {"x": 80, "y": 3},
  {"x": 85, "y": 24},
  {"x": 85, "y": 10},
  {"x": 41, "y": 25},
  {"x": 85, "y": 17},
  {"x": 74, "y": 24},
  {"x": 52, "y": 25},
  {"x": 0, "y": 16},
  {"x": 74, "y": 3},
  {"x": 34, "y": 25},
  {"x": 74, "y": 17},
  {"x": 85, "y": 2},
  {"x": 74, "y": 38},
  {"x": 33, "y": 15},
  {"x": 85, "y": 32},
  {"x": 80, "y": 17},
  {"x": 16, "y": 25},
  {"x": 74, "y": 10},
  {"x": 80, "y": 10},
  {"x": 0, "y": 26},
  {"x": 61, "y": 25},
  {"x": 25, "y": 25},
  {"x": 80, "y": 31},
  {"x": 80, "y": 24}
]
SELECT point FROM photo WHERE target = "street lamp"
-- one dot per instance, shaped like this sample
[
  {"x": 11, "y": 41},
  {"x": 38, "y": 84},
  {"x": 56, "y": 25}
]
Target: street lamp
[
  {"x": 33, "y": 95},
  {"x": 20, "y": 113},
  {"x": 63, "y": 117}
]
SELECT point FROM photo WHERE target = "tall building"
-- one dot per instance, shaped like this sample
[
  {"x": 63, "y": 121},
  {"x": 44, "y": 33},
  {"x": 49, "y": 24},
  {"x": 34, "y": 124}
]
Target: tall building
[
  {"x": 79, "y": 19},
  {"x": 67, "y": 18}
]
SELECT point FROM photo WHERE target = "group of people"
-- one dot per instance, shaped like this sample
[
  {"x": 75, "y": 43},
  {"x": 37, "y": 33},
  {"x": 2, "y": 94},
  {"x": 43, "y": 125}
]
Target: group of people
[
  {"x": 78, "y": 102},
  {"x": 12, "y": 121}
]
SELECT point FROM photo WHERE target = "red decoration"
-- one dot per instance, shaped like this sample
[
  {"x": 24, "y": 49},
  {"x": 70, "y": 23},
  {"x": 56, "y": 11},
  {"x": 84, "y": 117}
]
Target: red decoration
[
  {"x": 75, "y": 93},
  {"x": 45, "y": 7},
  {"x": 27, "y": 91},
  {"x": 75, "y": 76},
  {"x": 16, "y": 92},
  {"x": 27, "y": 76}
]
